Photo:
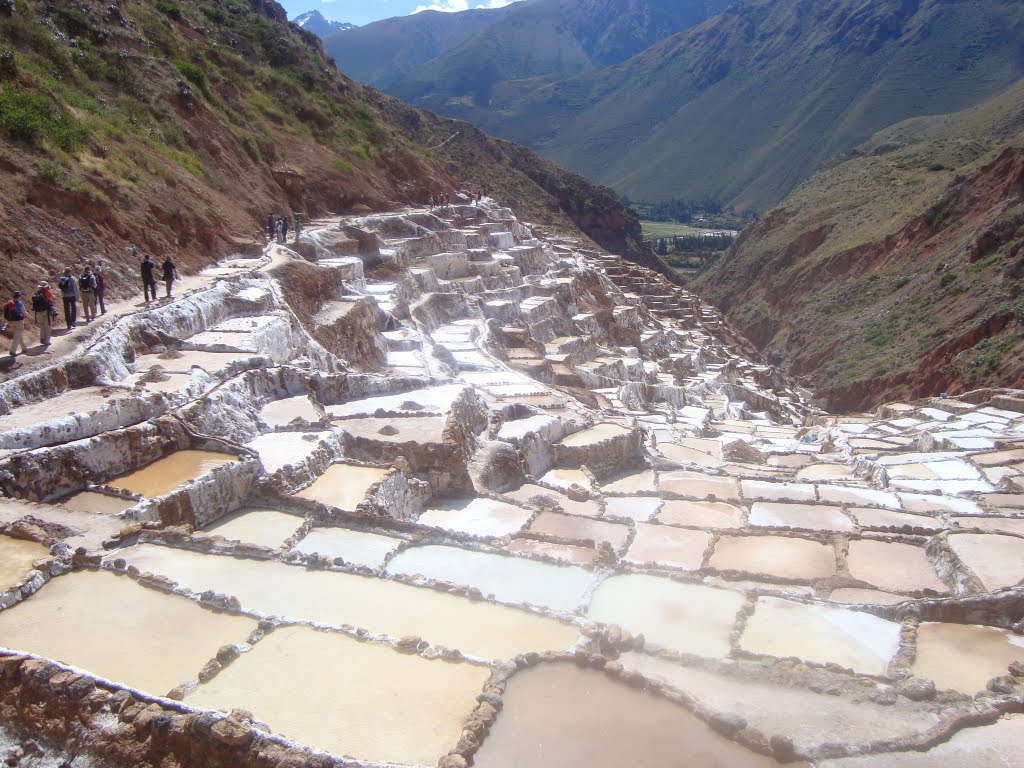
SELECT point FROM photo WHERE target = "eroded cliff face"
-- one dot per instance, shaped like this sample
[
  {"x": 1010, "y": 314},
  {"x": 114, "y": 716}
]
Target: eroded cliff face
[{"x": 889, "y": 275}]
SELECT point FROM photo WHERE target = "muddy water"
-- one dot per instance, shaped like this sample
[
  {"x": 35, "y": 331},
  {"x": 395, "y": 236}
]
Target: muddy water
[
  {"x": 821, "y": 633},
  {"x": 268, "y": 527},
  {"x": 381, "y": 606},
  {"x": 687, "y": 617},
  {"x": 347, "y": 697},
  {"x": 112, "y": 627},
  {"x": 343, "y": 485},
  {"x": 166, "y": 474},
  {"x": 358, "y": 547},
  {"x": 97, "y": 503},
  {"x": 594, "y": 434},
  {"x": 964, "y": 657},
  {"x": 893, "y": 566},
  {"x": 561, "y": 715},
  {"x": 479, "y": 517},
  {"x": 784, "y": 557},
  {"x": 16, "y": 557},
  {"x": 281, "y": 413},
  {"x": 510, "y": 579}
]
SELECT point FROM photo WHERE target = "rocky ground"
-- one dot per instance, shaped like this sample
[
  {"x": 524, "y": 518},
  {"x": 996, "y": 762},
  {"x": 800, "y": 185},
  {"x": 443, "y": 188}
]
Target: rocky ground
[{"x": 408, "y": 491}]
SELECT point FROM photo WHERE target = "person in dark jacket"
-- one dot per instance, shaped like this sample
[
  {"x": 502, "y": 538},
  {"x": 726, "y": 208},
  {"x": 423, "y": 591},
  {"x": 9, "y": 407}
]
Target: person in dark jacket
[
  {"x": 170, "y": 274},
  {"x": 69, "y": 293},
  {"x": 148, "y": 276},
  {"x": 101, "y": 287}
]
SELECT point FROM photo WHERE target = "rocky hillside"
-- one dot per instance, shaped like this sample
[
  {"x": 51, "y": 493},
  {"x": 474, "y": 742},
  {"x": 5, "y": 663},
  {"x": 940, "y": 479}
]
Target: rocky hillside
[
  {"x": 898, "y": 271},
  {"x": 745, "y": 106},
  {"x": 178, "y": 125}
]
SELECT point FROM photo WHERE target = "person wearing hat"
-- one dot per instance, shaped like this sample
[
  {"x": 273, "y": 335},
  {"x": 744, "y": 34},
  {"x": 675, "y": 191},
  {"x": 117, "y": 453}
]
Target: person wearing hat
[
  {"x": 14, "y": 314},
  {"x": 42, "y": 308}
]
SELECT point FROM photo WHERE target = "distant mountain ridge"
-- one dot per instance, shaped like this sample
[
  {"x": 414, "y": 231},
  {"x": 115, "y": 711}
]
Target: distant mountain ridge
[
  {"x": 745, "y": 105},
  {"x": 315, "y": 22}
]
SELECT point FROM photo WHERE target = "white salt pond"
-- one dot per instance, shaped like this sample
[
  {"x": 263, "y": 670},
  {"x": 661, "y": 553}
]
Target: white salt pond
[
  {"x": 568, "y": 552},
  {"x": 479, "y": 517},
  {"x": 821, "y": 633},
  {"x": 356, "y": 547},
  {"x": 666, "y": 545},
  {"x": 814, "y": 517},
  {"x": 266, "y": 527},
  {"x": 686, "y": 617},
  {"x": 563, "y": 478},
  {"x": 644, "y": 480},
  {"x": 431, "y": 400},
  {"x": 114, "y": 628},
  {"x": 347, "y": 697},
  {"x": 164, "y": 475},
  {"x": 16, "y": 558},
  {"x": 509, "y": 579},
  {"x": 343, "y": 485},
  {"x": 784, "y": 557},
  {"x": 561, "y": 715},
  {"x": 964, "y": 657},
  {"x": 699, "y": 486},
  {"x": 893, "y": 566},
  {"x": 527, "y": 491},
  {"x": 701, "y": 514},
  {"x": 995, "y": 559},
  {"x": 639, "y": 508},
  {"x": 379, "y": 605},
  {"x": 278, "y": 450}
]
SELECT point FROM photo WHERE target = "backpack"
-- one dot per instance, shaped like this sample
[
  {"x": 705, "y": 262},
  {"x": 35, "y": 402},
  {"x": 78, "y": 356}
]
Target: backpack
[
  {"x": 11, "y": 311},
  {"x": 85, "y": 282},
  {"x": 39, "y": 303},
  {"x": 65, "y": 283}
]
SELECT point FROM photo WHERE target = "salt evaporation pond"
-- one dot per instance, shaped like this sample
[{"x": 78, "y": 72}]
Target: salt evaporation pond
[
  {"x": 783, "y": 557},
  {"x": 166, "y": 474},
  {"x": 561, "y": 715},
  {"x": 281, "y": 413},
  {"x": 687, "y": 617},
  {"x": 16, "y": 558},
  {"x": 821, "y": 633},
  {"x": 665, "y": 545},
  {"x": 701, "y": 514},
  {"x": 964, "y": 657},
  {"x": 266, "y": 527},
  {"x": 478, "y": 517},
  {"x": 595, "y": 434},
  {"x": 117, "y": 629},
  {"x": 356, "y": 547},
  {"x": 343, "y": 485},
  {"x": 347, "y": 697},
  {"x": 97, "y": 503},
  {"x": 892, "y": 566},
  {"x": 381, "y": 606},
  {"x": 509, "y": 579}
]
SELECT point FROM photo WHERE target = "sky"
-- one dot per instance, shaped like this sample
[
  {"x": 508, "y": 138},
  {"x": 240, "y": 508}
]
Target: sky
[{"x": 364, "y": 11}]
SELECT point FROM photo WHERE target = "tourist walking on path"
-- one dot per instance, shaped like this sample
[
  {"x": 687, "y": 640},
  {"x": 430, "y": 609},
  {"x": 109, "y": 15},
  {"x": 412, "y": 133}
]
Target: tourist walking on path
[
  {"x": 69, "y": 293},
  {"x": 271, "y": 227},
  {"x": 284, "y": 229},
  {"x": 87, "y": 287},
  {"x": 14, "y": 314},
  {"x": 101, "y": 287},
  {"x": 170, "y": 274},
  {"x": 43, "y": 309},
  {"x": 148, "y": 276},
  {"x": 298, "y": 226}
]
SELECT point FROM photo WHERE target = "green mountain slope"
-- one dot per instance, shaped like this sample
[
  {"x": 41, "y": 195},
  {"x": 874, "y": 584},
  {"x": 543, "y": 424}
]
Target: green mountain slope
[
  {"x": 745, "y": 106},
  {"x": 548, "y": 38},
  {"x": 178, "y": 125},
  {"x": 897, "y": 271},
  {"x": 384, "y": 52}
]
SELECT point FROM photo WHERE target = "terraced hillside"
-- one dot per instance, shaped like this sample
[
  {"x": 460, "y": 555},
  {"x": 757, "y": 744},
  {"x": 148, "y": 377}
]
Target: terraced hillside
[
  {"x": 899, "y": 270},
  {"x": 438, "y": 488},
  {"x": 178, "y": 125}
]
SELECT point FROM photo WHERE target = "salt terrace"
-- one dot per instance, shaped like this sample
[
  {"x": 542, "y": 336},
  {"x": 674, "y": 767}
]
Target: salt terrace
[{"x": 518, "y": 502}]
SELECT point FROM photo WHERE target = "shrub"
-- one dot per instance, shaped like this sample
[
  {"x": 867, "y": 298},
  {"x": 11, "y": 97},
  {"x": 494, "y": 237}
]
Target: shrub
[
  {"x": 29, "y": 116},
  {"x": 193, "y": 73},
  {"x": 169, "y": 9},
  {"x": 947, "y": 279},
  {"x": 50, "y": 171}
]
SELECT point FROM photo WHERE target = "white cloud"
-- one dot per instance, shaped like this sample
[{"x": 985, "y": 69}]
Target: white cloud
[{"x": 454, "y": 6}]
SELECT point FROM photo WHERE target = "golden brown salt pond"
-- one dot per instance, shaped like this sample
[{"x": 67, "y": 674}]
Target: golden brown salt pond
[
  {"x": 594, "y": 434},
  {"x": 166, "y": 474},
  {"x": 114, "y": 628},
  {"x": 701, "y": 514},
  {"x": 560, "y": 715},
  {"x": 16, "y": 558},
  {"x": 348, "y": 697},
  {"x": 267, "y": 527},
  {"x": 666, "y": 545},
  {"x": 97, "y": 503},
  {"x": 281, "y": 413},
  {"x": 687, "y": 617},
  {"x": 784, "y": 557},
  {"x": 892, "y": 566},
  {"x": 343, "y": 485},
  {"x": 964, "y": 657},
  {"x": 381, "y": 606}
]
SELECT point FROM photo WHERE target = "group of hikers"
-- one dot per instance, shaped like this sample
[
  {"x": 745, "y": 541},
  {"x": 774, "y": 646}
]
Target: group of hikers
[
  {"x": 277, "y": 228},
  {"x": 88, "y": 288},
  {"x": 444, "y": 200}
]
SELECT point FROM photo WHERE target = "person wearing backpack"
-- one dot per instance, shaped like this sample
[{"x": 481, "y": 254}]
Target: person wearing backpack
[
  {"x": 42, "y": 308},
  {"x": 14, "y": 314},
  {"x": 69, "y": 293},
  {"x": 87, "y": 287},
  {"x": 170, "y": 274}
]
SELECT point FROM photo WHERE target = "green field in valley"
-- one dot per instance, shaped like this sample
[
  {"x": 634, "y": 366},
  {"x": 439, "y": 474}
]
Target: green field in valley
[{"x": 656, "y": 229}]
